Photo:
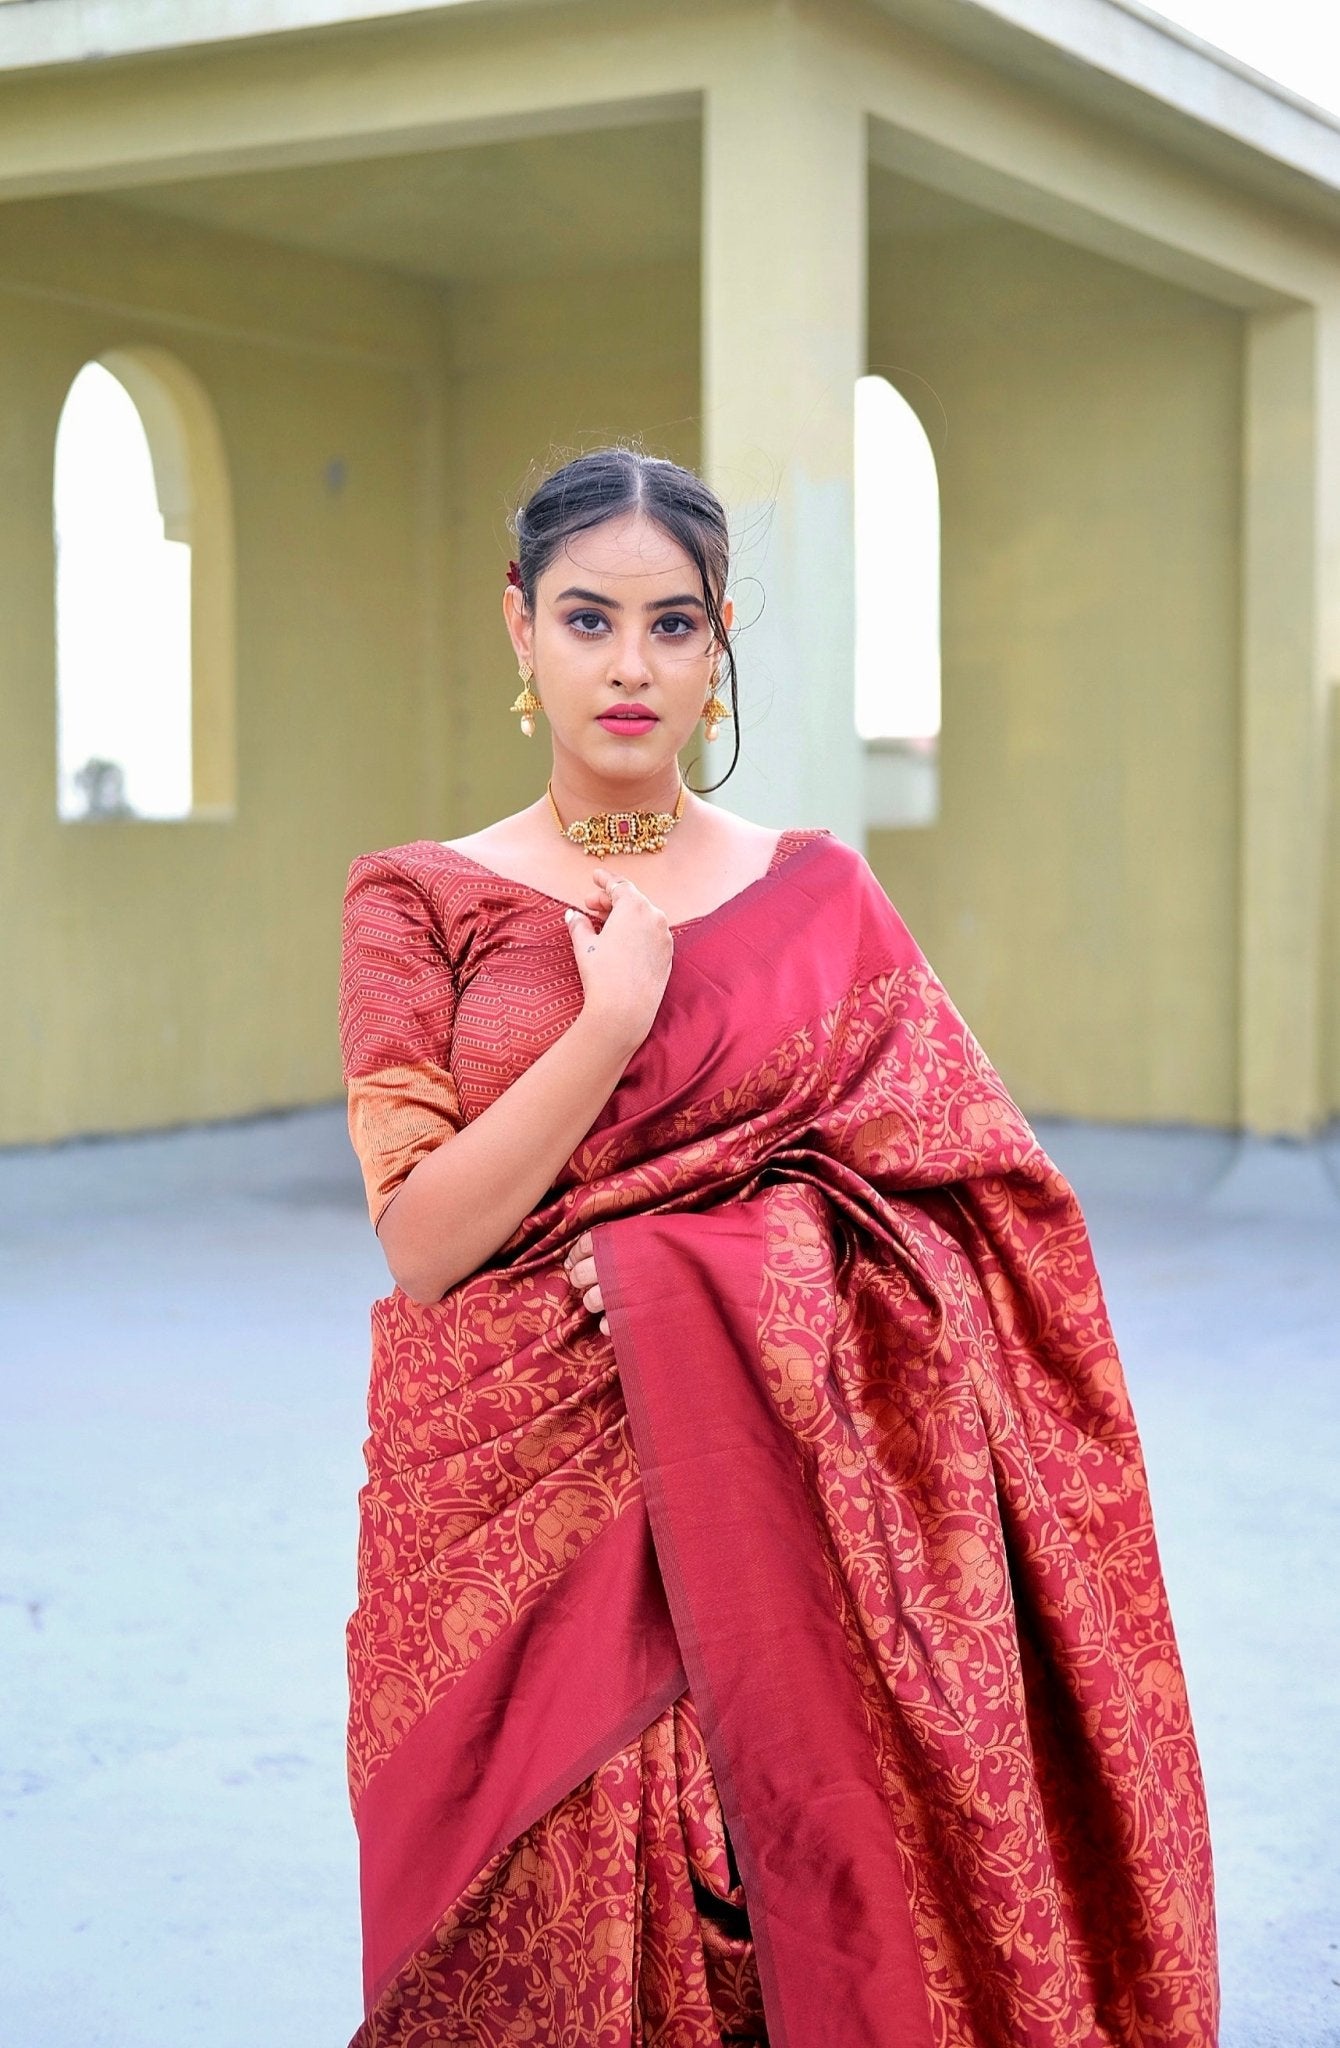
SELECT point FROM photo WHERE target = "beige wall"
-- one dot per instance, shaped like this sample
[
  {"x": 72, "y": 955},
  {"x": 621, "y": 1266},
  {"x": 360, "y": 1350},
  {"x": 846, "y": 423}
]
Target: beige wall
[
  {"x": 156, "y": 973},
  {"x": 1079, "y": 894},
  {"x": 159, "y": 972},
  {"x": 1330, "y": 1019}
]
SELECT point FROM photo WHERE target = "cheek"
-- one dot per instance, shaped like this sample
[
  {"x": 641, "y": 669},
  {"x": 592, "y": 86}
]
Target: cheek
[
  {"x": 564, "y": 659},
  {"x": 681, "y": 664}
]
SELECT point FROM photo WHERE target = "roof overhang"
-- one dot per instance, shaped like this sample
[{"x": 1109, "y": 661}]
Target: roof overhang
[
  {"x": 1115, "y": 58},
  {"x": 1121, "y": 60}
]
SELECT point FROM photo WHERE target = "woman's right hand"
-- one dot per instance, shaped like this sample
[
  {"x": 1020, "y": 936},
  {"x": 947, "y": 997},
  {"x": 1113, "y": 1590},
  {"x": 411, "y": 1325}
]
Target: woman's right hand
[{"x": 625, "y": 964}]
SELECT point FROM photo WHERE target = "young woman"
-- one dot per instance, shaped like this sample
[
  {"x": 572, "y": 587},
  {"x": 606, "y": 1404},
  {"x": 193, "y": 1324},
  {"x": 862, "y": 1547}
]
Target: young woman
[{"x": 760, "y": 1636}]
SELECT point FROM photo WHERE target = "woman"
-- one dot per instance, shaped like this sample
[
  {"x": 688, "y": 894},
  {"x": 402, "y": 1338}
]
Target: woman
[{"x": 760, "y": 1633}]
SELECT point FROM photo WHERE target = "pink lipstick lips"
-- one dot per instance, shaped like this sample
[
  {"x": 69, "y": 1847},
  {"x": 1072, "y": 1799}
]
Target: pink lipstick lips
[{"x": 628, "y": 722}]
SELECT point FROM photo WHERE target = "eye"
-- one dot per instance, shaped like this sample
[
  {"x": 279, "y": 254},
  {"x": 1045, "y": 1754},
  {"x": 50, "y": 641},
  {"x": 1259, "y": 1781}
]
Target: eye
[
  {"x": 581, "y": 622},
  {"x": 683, "y": 624}
]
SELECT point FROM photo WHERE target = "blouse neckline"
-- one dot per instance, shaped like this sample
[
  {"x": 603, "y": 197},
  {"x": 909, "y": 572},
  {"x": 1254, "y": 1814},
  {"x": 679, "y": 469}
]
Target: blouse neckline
[{"x": 562, "y": 902}]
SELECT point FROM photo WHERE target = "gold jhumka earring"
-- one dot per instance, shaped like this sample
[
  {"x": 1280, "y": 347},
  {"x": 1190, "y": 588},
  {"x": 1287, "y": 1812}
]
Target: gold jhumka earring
[
  {"x": 528, "y": 702},
  {"x": 713, "y": 710}
]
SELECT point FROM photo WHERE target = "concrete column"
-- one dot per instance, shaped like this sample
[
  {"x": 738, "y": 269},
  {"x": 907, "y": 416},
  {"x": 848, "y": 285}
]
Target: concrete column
[
  {"x": 784, "y": 259},
  {"x": 1328, "y": 513},
  {"x": 1291, "y": 531}
]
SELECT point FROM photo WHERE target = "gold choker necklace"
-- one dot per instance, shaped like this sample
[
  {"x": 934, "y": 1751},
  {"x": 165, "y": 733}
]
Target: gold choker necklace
[{"x": 619, "y": 831}]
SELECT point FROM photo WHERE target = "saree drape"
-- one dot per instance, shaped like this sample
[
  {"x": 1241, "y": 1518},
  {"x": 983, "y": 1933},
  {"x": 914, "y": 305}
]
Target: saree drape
[{"x": 856, "y": 1471}]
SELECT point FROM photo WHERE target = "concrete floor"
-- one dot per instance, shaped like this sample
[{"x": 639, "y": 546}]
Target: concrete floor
[{"x": 183, "y": 1329}]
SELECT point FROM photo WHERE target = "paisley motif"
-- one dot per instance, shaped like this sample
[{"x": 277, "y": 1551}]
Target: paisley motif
[{"x": 929, "y": 1332}]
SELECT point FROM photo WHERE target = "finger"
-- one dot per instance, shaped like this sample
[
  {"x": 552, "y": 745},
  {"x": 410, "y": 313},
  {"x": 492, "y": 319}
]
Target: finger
[
  {"x": 582, "y": 1273},
  {"x": 605, "y": 1324},
  {"x": 594, "y": 1300},
  {"x": 581, "y": 930},
  {"x": 614, "y": 886}
]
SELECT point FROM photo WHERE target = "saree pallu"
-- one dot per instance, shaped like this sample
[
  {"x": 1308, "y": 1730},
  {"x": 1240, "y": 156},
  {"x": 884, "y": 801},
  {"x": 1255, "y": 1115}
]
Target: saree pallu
[{"x": 852, "y": 1486}]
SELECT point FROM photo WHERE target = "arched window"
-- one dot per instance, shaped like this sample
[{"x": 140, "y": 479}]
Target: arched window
[
  {"x": 143, "y": 595},
  {"x": 897, "y": 549}
]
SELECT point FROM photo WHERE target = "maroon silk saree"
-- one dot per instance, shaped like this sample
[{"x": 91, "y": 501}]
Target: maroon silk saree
[{"x": 855, "y": 1474}]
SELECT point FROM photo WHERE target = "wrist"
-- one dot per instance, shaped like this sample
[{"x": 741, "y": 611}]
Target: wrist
[{"x": 605, "y": 1034}]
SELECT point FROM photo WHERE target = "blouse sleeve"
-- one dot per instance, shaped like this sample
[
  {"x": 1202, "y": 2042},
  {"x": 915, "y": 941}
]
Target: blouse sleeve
[{"x": 397, "y": 1003}]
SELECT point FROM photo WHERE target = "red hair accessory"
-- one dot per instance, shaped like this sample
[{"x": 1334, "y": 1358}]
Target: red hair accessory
[{"x": 514, "y": 575}]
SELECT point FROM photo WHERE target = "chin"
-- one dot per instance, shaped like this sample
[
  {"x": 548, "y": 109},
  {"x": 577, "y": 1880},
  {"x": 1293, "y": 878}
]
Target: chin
[{"x": 632, "y": 760}]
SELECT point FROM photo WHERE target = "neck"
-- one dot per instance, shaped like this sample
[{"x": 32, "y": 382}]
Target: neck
[{"x": 581, "y": 794}]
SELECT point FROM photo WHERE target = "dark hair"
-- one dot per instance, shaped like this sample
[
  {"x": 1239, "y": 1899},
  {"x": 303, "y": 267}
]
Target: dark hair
[{"x": 593, "y": 488}]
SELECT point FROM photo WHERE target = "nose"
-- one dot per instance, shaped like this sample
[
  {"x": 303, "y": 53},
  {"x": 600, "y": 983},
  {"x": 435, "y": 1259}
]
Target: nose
[{"x": 629, "y": 668}]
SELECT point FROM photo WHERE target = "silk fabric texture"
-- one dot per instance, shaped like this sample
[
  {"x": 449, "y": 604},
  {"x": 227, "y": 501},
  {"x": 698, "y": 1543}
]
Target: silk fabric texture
[{"x": 842, "y": 1533}]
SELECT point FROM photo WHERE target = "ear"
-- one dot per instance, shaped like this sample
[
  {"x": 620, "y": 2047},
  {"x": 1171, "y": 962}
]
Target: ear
[
  {"x": 520, "y": 625},
  {"x": 727, "y": 614}
]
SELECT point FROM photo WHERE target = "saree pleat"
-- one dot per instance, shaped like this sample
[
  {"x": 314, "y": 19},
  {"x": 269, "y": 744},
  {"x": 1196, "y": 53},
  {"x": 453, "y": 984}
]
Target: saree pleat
[
  {"x": 794, "y": 1663},
  {"x": 587, "y": 1928}
]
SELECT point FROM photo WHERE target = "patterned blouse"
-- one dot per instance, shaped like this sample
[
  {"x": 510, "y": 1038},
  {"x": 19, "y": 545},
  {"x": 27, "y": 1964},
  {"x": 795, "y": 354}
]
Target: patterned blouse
[{"x": 455, "y": 979}]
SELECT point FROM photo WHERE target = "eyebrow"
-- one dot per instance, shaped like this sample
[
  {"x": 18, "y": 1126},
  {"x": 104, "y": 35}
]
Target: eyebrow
[{"x": 658, "y": 604}]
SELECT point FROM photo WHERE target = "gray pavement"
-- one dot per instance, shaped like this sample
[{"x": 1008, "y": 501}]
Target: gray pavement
[{"x": 183, "y": 1342}]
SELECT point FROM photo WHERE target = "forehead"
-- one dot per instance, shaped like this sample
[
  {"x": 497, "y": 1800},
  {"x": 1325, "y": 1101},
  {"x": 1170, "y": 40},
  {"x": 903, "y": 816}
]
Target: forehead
[{"x": 627, "y": 546}]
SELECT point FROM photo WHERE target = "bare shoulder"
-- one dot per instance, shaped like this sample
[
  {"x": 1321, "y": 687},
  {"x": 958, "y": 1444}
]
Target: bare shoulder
[
  {"x": 751, "y": 843},
  {"x": 505, "y": 836},
  {"x": 741, "y": 837}
]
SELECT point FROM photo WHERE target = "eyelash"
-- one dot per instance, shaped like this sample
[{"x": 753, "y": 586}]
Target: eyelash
[{"x": 667, "y": 618}]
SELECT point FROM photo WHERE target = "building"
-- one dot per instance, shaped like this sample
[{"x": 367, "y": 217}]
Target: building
[{"x": 365, "y": 264}]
